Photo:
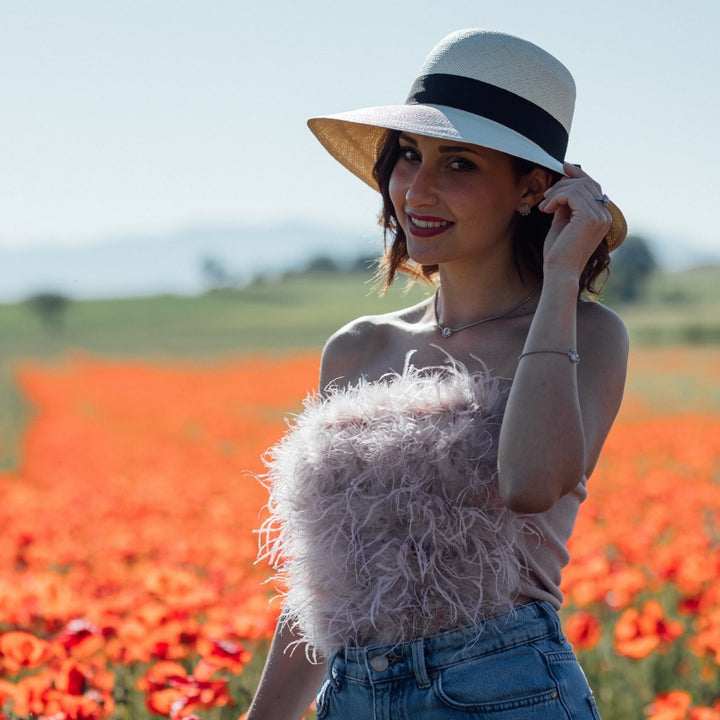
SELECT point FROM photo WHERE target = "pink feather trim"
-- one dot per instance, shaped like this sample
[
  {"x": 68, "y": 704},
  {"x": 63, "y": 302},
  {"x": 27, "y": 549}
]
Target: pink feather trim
[{"x": 386, "y": 523}]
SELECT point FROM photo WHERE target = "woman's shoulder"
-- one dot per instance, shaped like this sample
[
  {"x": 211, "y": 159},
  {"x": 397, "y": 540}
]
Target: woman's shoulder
[
  {"x": 347, "y": 352},
  {"x": 594, "y": 317},
  {"x": 356, "y": 347},
  {"x": 602, "y": 333}
]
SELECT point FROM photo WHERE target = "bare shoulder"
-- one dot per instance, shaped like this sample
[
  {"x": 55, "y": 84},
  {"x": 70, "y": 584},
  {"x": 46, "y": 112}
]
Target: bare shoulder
[
  {"x": 345, "y": 350},
  {"x": 368, "y": 346},
  {"x": 603, "y": 346},
  {"x": 602, "y": 331}
]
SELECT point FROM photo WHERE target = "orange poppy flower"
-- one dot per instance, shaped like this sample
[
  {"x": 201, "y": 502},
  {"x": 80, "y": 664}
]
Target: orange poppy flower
[
  {"x": 21, "y": 650},
  {"x": 673, "y": 705},
  {"x": 162, "y": 701},
  {"x": 705, "y": 713},
  {"x": 640, "y": 632}
]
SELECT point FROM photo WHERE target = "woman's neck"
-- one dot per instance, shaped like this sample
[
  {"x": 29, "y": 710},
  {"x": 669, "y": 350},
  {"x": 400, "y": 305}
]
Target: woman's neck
[{"x": 465, "y": 297}]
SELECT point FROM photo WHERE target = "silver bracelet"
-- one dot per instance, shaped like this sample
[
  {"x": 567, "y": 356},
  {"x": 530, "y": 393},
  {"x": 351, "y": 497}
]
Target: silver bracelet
[{"x": 572, "y": 355}]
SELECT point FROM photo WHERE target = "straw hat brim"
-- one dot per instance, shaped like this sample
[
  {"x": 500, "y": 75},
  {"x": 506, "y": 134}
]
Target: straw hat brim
[{"x": 354, "y": 140}]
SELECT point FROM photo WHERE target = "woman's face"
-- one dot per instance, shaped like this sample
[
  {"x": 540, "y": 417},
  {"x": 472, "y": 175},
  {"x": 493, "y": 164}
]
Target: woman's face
[{"x": 454, "y": 201}]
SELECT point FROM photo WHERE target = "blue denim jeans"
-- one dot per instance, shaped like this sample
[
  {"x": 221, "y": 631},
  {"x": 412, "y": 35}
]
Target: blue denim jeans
[{"x": 517, "y": 666}]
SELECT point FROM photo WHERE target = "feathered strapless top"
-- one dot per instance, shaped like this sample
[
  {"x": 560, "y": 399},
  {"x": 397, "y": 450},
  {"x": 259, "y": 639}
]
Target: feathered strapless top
[{"x": 385, "y": 517}]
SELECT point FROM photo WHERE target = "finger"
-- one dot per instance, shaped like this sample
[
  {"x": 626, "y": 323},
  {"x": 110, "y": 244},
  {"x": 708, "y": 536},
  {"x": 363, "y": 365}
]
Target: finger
[
  {"x": 582, "y": 208},
  {"x": 567, "y": 186},
  {"x": 575, "y": 189},
  {"x": 580, "y": 200},
  {"x": 573, "y": 171}
]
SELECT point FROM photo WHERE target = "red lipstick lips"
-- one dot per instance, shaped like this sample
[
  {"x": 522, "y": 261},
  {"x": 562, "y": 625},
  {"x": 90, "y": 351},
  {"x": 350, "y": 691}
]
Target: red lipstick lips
[{"x": 425, "y": 226}]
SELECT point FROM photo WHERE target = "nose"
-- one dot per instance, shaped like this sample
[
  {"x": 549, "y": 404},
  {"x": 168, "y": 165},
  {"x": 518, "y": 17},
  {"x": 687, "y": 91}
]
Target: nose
[{"x": 421, "y": 190}]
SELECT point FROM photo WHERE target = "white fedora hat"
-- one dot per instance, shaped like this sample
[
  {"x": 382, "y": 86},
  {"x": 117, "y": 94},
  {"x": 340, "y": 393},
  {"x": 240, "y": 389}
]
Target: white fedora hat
[{"x": 478, "y": 86}]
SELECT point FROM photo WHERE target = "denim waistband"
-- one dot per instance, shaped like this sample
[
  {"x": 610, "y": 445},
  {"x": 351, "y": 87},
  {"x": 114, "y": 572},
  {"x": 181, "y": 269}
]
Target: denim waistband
[{"x": 381, "y": 663}]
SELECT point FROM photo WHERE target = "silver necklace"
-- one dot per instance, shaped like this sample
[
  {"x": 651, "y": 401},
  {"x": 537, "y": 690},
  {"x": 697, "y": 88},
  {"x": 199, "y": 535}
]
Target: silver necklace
[{"x": 446, "y": 331}]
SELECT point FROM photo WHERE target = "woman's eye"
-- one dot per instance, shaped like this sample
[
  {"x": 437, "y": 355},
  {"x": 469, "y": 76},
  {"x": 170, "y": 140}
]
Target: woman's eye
[
  {"x": 462, "y": 164},
  {"x": 409, "y": 154}
]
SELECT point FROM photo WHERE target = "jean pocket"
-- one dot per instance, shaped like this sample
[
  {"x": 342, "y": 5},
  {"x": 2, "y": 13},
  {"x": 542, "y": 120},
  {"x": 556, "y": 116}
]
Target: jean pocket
[
  {"x": 578, "y": 697},
  {"x": 504, "y": 681}
]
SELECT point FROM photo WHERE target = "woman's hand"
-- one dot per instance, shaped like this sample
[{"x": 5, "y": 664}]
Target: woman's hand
[{"x": 580, "y": 222}]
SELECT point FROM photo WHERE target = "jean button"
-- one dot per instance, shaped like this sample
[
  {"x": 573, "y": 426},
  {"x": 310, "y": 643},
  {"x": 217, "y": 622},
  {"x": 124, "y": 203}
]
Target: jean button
[{"x": 379, "y": 663}]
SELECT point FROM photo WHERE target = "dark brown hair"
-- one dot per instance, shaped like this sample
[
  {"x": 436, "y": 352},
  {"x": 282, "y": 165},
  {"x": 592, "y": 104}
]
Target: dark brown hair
[{"x": 528, "y": 239}]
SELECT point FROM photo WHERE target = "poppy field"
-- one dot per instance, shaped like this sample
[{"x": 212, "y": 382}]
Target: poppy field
[{"x": 128, "y": 583}]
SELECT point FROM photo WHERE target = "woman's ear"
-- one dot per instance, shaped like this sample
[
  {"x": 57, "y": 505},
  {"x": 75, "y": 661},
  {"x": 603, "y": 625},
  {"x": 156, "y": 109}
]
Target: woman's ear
[{"x": 537, "y": 181}]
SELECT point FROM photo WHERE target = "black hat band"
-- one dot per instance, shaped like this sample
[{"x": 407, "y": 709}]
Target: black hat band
[{"x": 494, "y": 103}]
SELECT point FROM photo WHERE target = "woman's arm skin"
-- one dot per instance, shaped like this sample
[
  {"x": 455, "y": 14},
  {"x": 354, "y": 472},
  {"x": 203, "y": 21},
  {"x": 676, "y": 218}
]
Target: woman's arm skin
[
  {"x": 289, "y": 680},
  {"x": 558, "y": 413},
  {"x": 288, "y": 683}
]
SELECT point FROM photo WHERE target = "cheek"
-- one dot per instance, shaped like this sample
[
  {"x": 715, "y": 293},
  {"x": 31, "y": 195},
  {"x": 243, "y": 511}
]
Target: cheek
[
  {"x": 484, "y": 203},
  {"x": 397, "y": 188}
]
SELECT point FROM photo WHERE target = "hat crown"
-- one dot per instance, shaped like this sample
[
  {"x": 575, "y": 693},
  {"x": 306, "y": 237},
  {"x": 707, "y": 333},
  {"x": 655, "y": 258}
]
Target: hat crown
[{"x": 510, "y": 63}]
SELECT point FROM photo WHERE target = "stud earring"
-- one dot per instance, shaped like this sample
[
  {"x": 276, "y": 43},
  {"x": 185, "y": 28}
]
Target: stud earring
[{"x": 524, "y": 209}]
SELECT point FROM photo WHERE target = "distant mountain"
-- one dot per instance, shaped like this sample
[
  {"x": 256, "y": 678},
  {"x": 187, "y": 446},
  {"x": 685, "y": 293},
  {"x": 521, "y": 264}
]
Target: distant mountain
[
  {"x": 184, "y": 263},
  {"x": 177, "y": 264}
]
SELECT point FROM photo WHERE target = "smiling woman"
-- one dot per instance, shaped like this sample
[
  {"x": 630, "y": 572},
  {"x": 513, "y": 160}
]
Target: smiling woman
[
  {"x": 528, "y": 231},
  {"x": 477, "y": 190},
  {"x": 422, "y": 504}
]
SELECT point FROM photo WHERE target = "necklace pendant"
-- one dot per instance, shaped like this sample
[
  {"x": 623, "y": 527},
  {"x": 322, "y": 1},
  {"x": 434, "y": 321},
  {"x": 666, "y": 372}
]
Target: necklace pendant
[{"x": 446, "y": 332}]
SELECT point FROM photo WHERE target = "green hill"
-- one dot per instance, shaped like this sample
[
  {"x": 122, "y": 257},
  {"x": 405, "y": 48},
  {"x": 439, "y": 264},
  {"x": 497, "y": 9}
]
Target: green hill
[
  {"x": 300, "y": 311},
  {"x": 678, "y": 307}
]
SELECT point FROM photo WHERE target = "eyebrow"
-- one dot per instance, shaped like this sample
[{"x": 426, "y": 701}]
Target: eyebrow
[{"x": 442, "y": 148}]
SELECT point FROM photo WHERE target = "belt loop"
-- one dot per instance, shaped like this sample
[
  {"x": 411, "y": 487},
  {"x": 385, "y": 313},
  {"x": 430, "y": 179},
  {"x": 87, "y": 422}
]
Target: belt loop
[
  {"x": 418, "y": 656},
  {"x": 333, "y": 672}
]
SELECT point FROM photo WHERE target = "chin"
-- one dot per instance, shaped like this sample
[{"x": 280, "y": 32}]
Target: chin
[
  {"x": 424, "y": 255},
  {"x": 425, "y": 261}
]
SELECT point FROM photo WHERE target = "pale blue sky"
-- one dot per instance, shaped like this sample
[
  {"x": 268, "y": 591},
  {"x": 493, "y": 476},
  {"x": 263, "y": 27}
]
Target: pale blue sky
[{"x": 148, "y": 116}]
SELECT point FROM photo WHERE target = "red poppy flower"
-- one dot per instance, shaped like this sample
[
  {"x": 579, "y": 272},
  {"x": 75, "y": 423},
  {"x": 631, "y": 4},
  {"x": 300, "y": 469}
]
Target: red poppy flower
[{"x": 583, "y": 630}]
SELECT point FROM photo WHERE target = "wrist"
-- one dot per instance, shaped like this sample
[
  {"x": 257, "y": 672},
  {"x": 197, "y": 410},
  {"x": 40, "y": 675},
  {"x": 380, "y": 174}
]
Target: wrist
[
  {"x": 561, "y": 279},
  {"x": 556, "y": 310}
]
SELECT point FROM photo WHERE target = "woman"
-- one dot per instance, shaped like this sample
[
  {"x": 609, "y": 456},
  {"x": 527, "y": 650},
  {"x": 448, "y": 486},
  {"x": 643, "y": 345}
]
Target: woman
[{"x": 421, "y": 506}]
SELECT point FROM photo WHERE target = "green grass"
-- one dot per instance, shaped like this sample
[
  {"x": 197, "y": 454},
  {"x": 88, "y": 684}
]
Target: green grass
[
  {"x": 698, "y": 285},
  {"x": 298, "y": 312},
  {"x": 697, "y": 324},
  {"x": 678, "y": 308}
]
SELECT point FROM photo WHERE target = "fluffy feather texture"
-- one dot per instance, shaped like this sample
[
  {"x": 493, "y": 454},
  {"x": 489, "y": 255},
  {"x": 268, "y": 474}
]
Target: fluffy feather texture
[{"x": 386, "y": 522}]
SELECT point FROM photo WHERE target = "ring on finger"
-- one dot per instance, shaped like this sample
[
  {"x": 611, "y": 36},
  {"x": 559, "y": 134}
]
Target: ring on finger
[{"x": 604, "y": 199}]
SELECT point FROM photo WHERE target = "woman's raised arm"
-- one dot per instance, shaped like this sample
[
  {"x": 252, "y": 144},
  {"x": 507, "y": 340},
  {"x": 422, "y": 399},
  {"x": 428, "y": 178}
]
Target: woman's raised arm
[{"x": 559, "y": 411}]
